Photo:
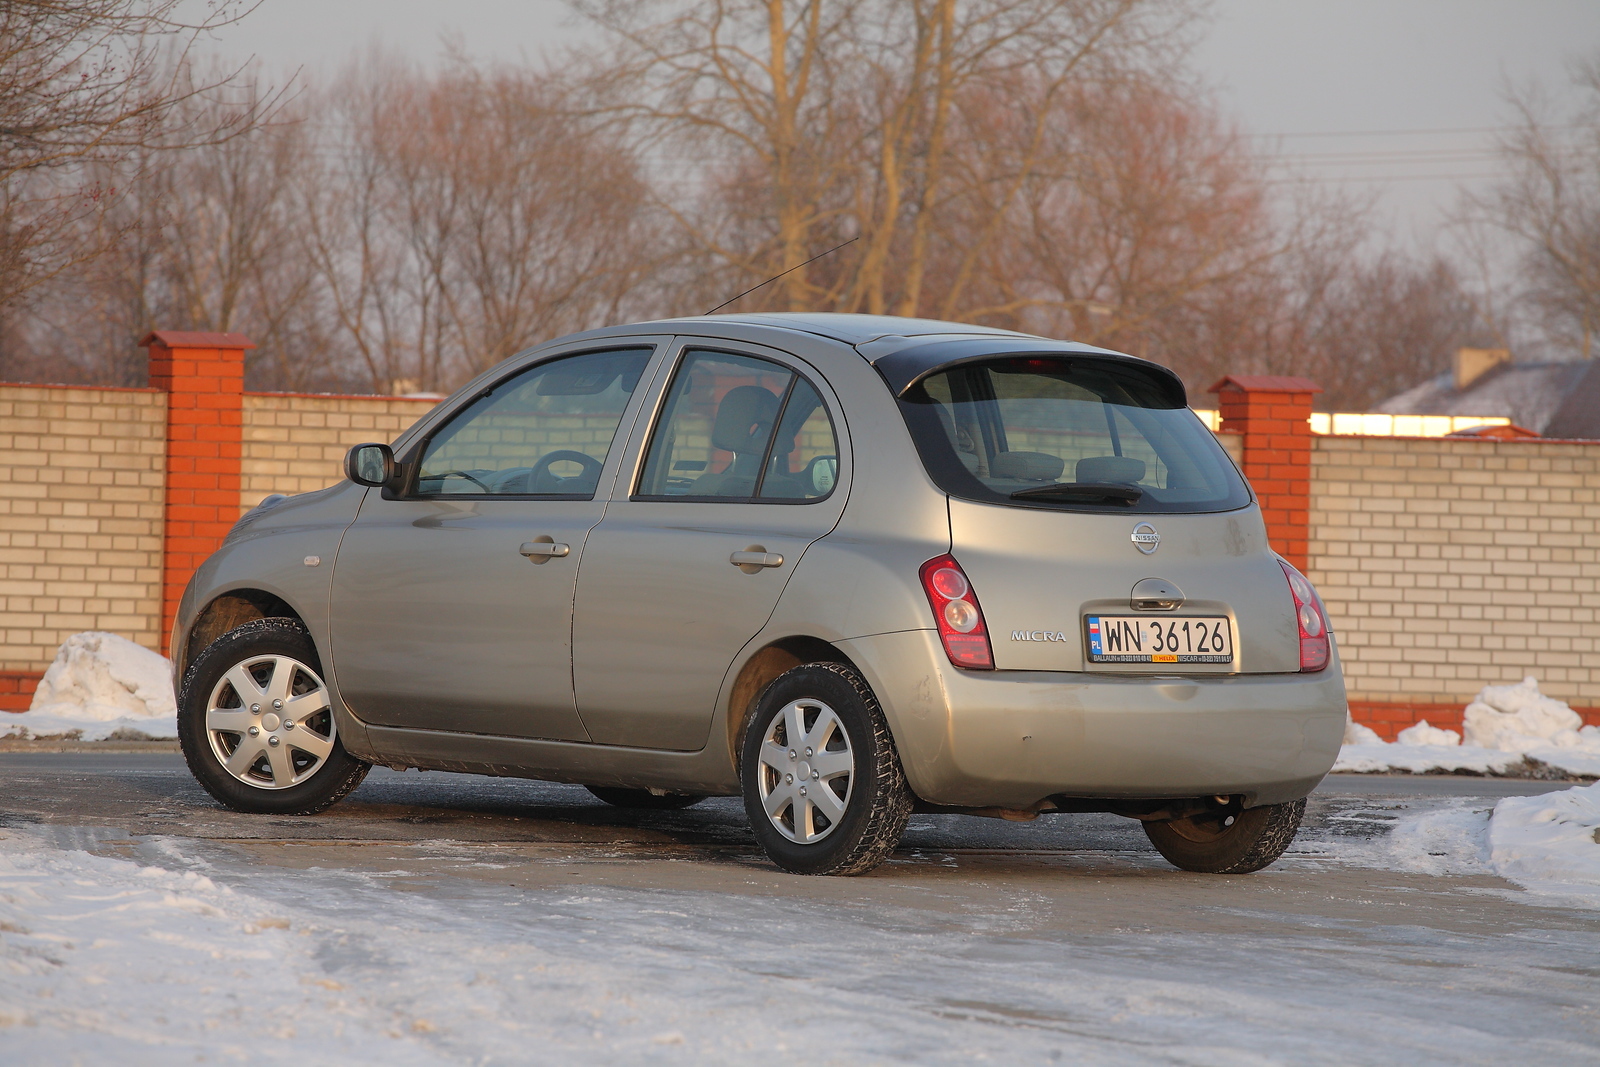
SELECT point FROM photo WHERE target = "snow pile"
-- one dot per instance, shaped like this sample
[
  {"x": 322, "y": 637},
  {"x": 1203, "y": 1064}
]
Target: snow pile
[
  {"x": 1356, "y": 734},
  {"x": 1519, "y": 718},
  {"x": 1423, "y": 734},
  {"x": 1509, "y": 729},
  {"x": 100, "y": 685},
  {"x": 1550, "y": 843}
]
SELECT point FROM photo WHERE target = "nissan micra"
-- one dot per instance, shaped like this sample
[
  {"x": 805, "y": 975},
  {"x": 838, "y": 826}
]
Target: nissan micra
[{"x": 846, "y": 566}]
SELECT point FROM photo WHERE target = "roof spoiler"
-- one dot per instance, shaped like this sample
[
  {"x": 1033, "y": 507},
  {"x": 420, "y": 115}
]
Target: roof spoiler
[{"x": 904, "y": 368}]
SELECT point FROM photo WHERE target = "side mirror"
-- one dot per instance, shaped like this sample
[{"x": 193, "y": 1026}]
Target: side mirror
[{"x": 369, "y": 464}]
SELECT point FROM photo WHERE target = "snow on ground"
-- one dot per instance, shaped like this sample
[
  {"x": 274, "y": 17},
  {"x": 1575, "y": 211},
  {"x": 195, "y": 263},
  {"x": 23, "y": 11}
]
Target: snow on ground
[
  {"x": 1550, "y": 844},
  {"x": 100, "y": 685},
  {"x": 1508, "y": 730},
  {"x": 189, "y": 957}
]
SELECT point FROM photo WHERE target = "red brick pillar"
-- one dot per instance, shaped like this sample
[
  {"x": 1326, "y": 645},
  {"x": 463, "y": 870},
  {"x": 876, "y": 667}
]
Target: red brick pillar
[
  {"x": 203, "y": 376},
  {"x": 1273, "y": 412}
]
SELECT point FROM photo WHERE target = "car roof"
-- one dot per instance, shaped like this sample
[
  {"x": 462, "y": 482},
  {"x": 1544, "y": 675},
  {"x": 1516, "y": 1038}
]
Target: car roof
[{"x": 852, "y": 329}]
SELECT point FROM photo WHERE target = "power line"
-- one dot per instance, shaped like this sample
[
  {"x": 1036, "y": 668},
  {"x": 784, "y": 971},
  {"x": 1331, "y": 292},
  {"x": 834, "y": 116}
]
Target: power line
[{"x": 1437, "y": 131}]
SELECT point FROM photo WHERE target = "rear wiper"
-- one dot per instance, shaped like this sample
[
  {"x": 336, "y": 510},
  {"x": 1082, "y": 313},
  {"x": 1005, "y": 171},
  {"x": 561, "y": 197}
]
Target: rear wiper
[{"x": 1083, "y": 493}]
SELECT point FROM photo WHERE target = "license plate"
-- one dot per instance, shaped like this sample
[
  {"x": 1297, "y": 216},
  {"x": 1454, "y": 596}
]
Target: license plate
[{"x": 1172, "y": 639}]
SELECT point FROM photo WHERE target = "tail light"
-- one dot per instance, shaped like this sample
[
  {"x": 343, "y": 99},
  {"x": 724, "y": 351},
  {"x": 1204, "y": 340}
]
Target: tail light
[
  {"x": 1310, "y": 617},
  {"x": 955, "y": 609}
]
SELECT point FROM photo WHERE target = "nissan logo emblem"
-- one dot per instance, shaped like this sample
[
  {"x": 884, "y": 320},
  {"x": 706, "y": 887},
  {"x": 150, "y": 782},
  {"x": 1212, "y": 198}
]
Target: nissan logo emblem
[{"x": 1145, "y": 538}]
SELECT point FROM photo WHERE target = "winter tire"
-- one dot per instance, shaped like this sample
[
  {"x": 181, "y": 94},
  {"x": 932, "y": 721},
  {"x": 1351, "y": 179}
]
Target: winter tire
[
  {"x": 1227, "y": 840},
  {"x": 256, "y": 725},
  {"x": 822, "y": 781},
  {"x": 643, "y": 798}
]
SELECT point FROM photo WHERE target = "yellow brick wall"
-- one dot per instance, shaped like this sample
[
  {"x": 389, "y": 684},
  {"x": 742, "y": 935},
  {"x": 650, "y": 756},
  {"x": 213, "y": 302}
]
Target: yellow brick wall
[
  {"x": 1449, "y": 564},
  {"x": 296, "y": 444},
  {"x": 80, "y": 517}
]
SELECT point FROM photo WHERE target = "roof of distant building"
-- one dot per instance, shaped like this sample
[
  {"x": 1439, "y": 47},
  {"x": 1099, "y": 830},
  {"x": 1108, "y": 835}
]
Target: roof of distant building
[{"x": 1553, "y": 399}]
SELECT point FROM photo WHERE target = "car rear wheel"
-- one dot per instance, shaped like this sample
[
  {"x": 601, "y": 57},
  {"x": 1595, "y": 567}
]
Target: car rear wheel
[
  {"x": 643, "y": 798},
  {"x": 1227, "y": 840},
  {"x": 256, "y": 724},
  {"x": 823, "y": 785}
]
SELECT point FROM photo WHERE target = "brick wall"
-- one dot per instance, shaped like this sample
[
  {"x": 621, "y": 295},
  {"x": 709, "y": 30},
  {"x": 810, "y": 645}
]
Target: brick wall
[
  {"x": 1270, "y": 414},
  {"x": 1446, "y": 564},
  {"x": 1450, "y": 564},
  {"x": 295, "y": 443},
  {"x": 86, "y": 541},
  {"x": 81, "y": 489}
]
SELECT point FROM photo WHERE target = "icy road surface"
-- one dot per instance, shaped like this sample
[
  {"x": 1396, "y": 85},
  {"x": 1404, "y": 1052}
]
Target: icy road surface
[{"x": 444, "y": 919}]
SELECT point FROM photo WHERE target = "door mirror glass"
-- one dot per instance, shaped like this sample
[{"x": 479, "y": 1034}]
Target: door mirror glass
[
  {"x": 369, "y": 464},
  {"x": 545, "y": 432}
]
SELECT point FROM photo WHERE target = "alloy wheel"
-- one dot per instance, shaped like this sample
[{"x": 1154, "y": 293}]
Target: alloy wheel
[
  {"x": 806, "y": 770},
  {"x": 269, "y": 722}
]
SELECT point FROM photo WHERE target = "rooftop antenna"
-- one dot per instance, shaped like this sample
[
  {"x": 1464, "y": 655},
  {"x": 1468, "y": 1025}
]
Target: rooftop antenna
[{"x": 775, "y": 277}]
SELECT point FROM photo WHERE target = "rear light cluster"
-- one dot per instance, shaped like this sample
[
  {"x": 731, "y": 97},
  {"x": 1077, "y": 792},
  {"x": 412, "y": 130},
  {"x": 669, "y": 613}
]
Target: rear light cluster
[
  {"x": 1310, "y": 617},
  {"x": 955, "y": 609}
]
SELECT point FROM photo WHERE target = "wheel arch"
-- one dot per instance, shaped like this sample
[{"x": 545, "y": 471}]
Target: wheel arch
[
  {"x": 228, "y": 611},
  {"x": 768, "y": 662}
]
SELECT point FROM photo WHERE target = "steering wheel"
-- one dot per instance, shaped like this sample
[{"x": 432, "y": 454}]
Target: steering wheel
[
  {"x": 460, "y": 474},
  {"x": 541, "y": 467}
]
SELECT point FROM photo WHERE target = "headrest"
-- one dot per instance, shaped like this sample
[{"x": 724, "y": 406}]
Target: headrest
[
  {"x": 1112, "y": 470},
  {"x": 743, "y": 420}
]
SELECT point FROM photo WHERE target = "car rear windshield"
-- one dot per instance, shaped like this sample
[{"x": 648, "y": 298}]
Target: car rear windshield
[{"x": 1074, "y": 433}]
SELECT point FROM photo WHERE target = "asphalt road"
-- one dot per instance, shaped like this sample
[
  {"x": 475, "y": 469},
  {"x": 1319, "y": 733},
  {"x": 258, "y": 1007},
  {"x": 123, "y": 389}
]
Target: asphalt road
[
  {"x": 1461, "y": 966},
  {"x": 153, "y": 793}
]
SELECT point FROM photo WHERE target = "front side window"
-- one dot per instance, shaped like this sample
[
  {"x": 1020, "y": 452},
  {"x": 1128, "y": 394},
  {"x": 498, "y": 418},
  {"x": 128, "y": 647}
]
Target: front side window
[
  {"x": 543, "y": 433},
  {"x": 737, "y": 428},
  {"x": 1073, "y": 433}
]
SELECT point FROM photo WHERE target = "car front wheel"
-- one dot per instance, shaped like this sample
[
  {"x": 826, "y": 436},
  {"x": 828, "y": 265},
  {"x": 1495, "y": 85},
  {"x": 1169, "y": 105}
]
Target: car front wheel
[
  {"x": 256, "y": 724},
  {"x": 823, "y": 785},
  {"x": 1227, "y": 840}
]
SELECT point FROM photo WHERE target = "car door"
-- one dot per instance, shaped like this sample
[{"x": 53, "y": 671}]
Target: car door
[
  {"x": 741, "y": 471},
  {"x": 452, "y": 600}
]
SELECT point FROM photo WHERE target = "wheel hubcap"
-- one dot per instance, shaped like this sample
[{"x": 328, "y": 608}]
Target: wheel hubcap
[
  {"x": 269, "y": 722},
  {"x": 806, "y": 771}
]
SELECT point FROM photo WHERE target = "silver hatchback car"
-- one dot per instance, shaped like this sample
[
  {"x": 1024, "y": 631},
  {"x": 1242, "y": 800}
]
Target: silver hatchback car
[{"x": 847, "y": 566}]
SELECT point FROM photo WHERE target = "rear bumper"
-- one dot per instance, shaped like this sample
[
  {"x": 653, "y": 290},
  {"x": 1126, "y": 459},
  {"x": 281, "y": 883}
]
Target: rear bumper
[{"x": 1012, "y": 738}]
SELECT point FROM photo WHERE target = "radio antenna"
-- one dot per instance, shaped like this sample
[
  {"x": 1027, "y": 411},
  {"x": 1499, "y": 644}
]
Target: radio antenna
[{"x": 775, "y": 277}]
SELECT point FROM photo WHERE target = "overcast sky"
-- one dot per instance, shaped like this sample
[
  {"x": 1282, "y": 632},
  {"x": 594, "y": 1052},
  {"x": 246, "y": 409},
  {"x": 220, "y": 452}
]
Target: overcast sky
[{"x": 1371, "y": 95}]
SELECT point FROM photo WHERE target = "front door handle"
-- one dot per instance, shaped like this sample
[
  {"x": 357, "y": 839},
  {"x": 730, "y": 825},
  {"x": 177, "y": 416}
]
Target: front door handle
[
  {"x": 543, "y": 550},
  {"x": 752, "y": 559}
]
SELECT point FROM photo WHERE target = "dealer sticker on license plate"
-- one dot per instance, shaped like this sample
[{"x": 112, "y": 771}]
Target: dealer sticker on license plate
[{"x": 1142, "y": 639}]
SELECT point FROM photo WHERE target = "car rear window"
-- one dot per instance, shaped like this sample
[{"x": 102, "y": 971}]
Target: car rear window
[{"x": 1077, "y": 433}]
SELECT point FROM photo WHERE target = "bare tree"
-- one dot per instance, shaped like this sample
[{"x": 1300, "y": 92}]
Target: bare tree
[
  {"x": 1550, "y": 209},
  {"x": 89, "y": 82},
  {"x": 470, "y": 214},
  {"x": 819, "y": 121}
]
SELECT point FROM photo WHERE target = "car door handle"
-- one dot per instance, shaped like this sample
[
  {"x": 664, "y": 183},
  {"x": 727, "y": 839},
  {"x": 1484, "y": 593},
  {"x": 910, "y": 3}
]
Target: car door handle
[
  {"x": 751, "y": 559},
  {"x": 540, "y": 551}
]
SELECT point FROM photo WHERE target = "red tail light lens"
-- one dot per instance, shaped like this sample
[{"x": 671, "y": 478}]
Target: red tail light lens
[
  {"x": 1310, "y": 617},
  {"x": 956, "y": 611}
]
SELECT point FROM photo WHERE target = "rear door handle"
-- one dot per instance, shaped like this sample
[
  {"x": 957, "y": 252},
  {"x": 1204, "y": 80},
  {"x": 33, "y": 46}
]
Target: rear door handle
[
  {"x": 751, "y": 560},
  {"x": 544, "y": 550}
]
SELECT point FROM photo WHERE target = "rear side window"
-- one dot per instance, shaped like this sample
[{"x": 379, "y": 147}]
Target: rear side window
[
  {"x": 545, "y": 432},
  {"x": 740, "y": 429},
  {"x": 1073, "y": 433}
]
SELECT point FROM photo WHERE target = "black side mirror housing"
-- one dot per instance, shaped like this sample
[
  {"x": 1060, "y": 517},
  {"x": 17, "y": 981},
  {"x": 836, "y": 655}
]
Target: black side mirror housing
[{"x": 370, "y": 464}]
